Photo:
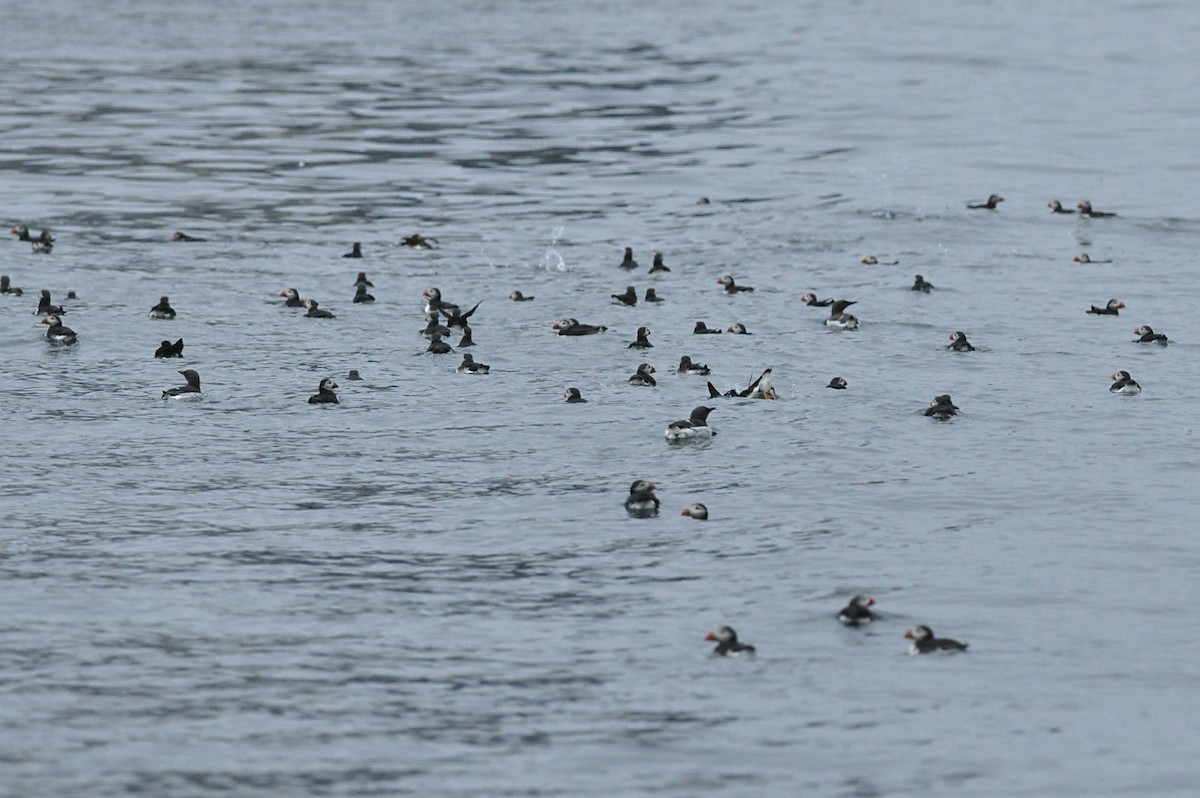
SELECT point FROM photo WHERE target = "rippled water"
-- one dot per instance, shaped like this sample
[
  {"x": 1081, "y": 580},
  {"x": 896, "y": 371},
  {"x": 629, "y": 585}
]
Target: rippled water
[{"x": 433, "y": 587}]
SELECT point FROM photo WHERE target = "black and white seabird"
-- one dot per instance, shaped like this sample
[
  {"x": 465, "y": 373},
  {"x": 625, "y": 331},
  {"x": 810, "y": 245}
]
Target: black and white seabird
[
  {"x": 573, "y": 396},
  {"x": 418, "y": 241},
  {"x": 730, "y": 286},
  {"x": 838, "y": 384},
  {"x": 179, "y": 237},
  {"x": 643, "y": 339},
  {"x": 703, "y": 329},
  {"x": 45, "y": 307},
  {"x": 1085, "y": 209},
  {"x": 315, "y": 312},
  {"x": 695, "y": 427},
  {"x": 168, "y": 349},
  {"x": 686, "y": 366},
  {"x": 162, "y": 310},
  {"x": 1113, "y": 308},
  {"x": 990, "y": 204},
  {"x": 629, "y": 297},
  {"x": 642, "y": 376},
  {"x": 469, "y": 366},
  {"x": 629, "y": 262},
  {"x": 727, "y": 643},
  {"x": 517, "y": 296},
  {"x": 857, "y": 612},
  {"x": 439, "y": 347},
  {"x": 658, "y": 265},
  {"x": 1149, "y": 336},
  {"x": 919, "y": 284},
  {"x": 641, "y": 501},
  {"x": 324, "y": 394},
  {"x": 293, "y": 299},
  {"x": 959, "y": 342},
  {"x": 189, "y": 391},
  {"x": 697, "y": 511},
  {"x": 941, "y": 407},
  {"x": 6, "y": 286},
  {"x": 573, "y": 327},
  {"x": 1124, "y": 384},
  {"x": 56, "y": 333},
  {"x": 925, "y": 643},
  {"x": 361, "y": 296},
  {"x": 355, "y": 251}
]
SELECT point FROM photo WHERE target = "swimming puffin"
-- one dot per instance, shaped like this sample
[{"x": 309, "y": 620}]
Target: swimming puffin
[
  {"x": 181, "y": 237},
  {"x": 573, "y": 327},
  {"x": 469, "y": 366},
  {"x": 919, "y": 284},
  {"x": 1124, "y": 384},
  {"x": 439, "y": 347},
  {"x": 838, "y": 316},
  {"x": 643, "y": 339},
  {"x": 759, "y": 389},
  {"x": 466, "y": 339},
  {"x": 641, "y": 501},
  {"x": 871, "y": 260},
  {"x": 168, "y": 349},
  {"x": 731, "y": 287},
  {"x": 456, "y": 319},
  {"x": 43, "y": 243},
  {"x": 45, "y": 307},
  {"x": 857, "y": 612},
  {"x": 361, "y": 296},
  {"x": 315, "y": 312},
  {"x": 324, "y": 394},
  {"x": 418, "y": 241},
  {"x": 1057, "y": 207},
  {"x": 959, "y": 342},
  {"x": 162, "y": 310},
  {"x": 434, "y": 303},
  {"x": 353, "y": 375},
  {"x": 517, "y": 296},
  {"x": 642, "y": 376},
  {"x": 658, "y": 265},
  {"x": 434, "y": 325},
  {"x": 362, "y": 280},
  {"x": 694, "y": 427},
  {"x": 1111, "y": 309},
  {"x": 697, "y": 511},
  {"x": 703, "y": 329},
  {"x": 628, "y": 298},
  {"x": 355, "y": 251},
  {"x": 56, "y": 333},
  {"x": 629, "y": 262},
  {"x": 812, "y": 301},
  {"x": 727, "y": 643},
  {"x": 1083, "y": 257},
  {"x": 189, "y": 391},
  {"x": 838, "y": 384},
  {"x": 992, "y": 202},
  {"x": 738, "y": 329},
  {"x": 686, "y": 366},
  {"x": 573, "y": 396},
  {"x": 942, "y": 407},
  {"x": 652, "y": 296},
  {"x": 6, "y": 286},
  {"x": 1149, "y": 336},
  {"x": 293, "y": 298},
  {"x": 1085, "y": 209},
  {"x": 925, "y": 643}
]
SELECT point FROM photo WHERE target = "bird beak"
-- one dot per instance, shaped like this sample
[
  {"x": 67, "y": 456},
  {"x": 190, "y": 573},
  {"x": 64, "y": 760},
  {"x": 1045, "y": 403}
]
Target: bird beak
[
  {"x": 1121, "y": 305},
  {"x": 711, "y": 636},
  {"x": 653, "y": 486},
  {"x": 686, "y": 511}
]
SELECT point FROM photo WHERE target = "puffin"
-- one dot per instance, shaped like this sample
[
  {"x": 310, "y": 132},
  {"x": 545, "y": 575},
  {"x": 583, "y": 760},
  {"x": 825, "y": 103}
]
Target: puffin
[
  {"x": 466, "y": 339},
  {"x": 189, "y": 391},
  {"x": 573, "y": 396},
  {"x": 469, "y": 366},
  {"x": 42, "y": 244},
  {"x": 6, "y": 286},
  {"x": 641, "y": 501},
  {"x": 838, "y": 384},
  {"x": 434, "y": 325},
  {"x": 1111, "y": 309},
  {"x": 439, "y": 347},
  {"x": 56, "y": 333},
  {"x": 315, "y": 312},
  {"x": 1149, "y": 336},
  {"x": 45, "y": 307},
  {"x": 857, "y": 612},
  {"x": 293, "y": 299},
  {"x": 738, "y": 329},
  {"x": 959, "y": 342},
  {"x": 652, "y": 296},
  {"x": 658, "y": 265},
  {"x": 812, "y": 301},
  {"x": 1124, "y": 384},
  {"x": 629, "y": 298},
  {"x": 759, "y": 389},
  {"x": 417, "y": 241},
  {"x": 727, "y": 643},
  {"x": 1083, "y": 257},
  {"x": 919, "y": 284},
  {"x": 1057, "y": 207},
  {"x": 180, "y": 237},
  {"x": 168, "y": 349},
  {"x": 362, "y": 280},
  {"x": 434, "y": 303},
  {"x": 1085, "y": 209},
  {"x": 942, "y": 407},
  {"x": 871, "y": 260},
  {"x": 517, "y": 296},
  {"x": 629, "y": 262},
  {"x": 992, "y": 201},
  {"x": 456, "y": 319},
  {"x": 353, "y": 375},
  {"x": 925, "y": 643},
  {"x": 697, "y": 511},
  {"x": 355, "y": 251},
  {"x": 324, "y": 394},
  {"x": 573, "y": 327},
  {"x": 642, "y": 376},
  {"x": 361, "y": 296},
  {"x": 730, "y": 286},
  {"x": 695, "y": 427},
  {"x": 643, "y": 339},
  {"x": 703, "y": 329},
  {"x": 162, "y": 310},
  {"x": 686, "y": 366}
]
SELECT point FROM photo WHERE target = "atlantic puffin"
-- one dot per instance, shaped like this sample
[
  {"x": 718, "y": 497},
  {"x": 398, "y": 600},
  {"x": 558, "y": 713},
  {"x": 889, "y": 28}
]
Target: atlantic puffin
[
  {"x": 642, "y": 376},
  {"x": 643, "y": 339},
  {"x": 573, "y": 327},
  {"x": 925, "y": 643},
  {"x": 703, "y": 329},
  {"x": 293, "y": 299},
  {"x": 812, "y": 301},
  {"x": 628, "y": 298},
  {"x": 641, "y": 501},
  {"x": 731, "y": 287},
  {"x": 324, "y": 394},
  {"x": 992, "y": 201},
  {"x": 652, "y": 296},
  {"x": 57, "y": 333},
  {"x": 355, "y": 251},
  {"x": 1149, "y": 336},
  {"x": 181, "y": 237},
  {"x": 838, "y": 384},
  {"x": 629, "y": 262},
  {"x": 959, "y": 342},
  {"x": 871, "y": 260},
  {"x": 456, "y": 319},
  {"x": 658, "y": 265},
  {"x": 1085, "y": 209},
  {"x": 573, "y": 396},
  {"x": 315, "y": 312},
  {"x": 697, "y": 511},
  {"x": 517, "y": 296},
  {"x": 1124, "y": 384},
  {"x": 439, "y": 347},
  {"x": 1111, "y": 309},
  {"x": 1057, "y": 207},
  {"x": 727, "y": 643},
  {"x": 857, "y": 611},
  {"x": 686, "y": 366},
  {"x": 738, "y": 329},
  {"x": 45, "y": 307},
  {"x": 6, "y": 286},
  {"x": 418, "y": 241},
  {"x": 361, "y": 296},
  {"x": 168, "y": 349},
  {"x": 942, "y": 407},
  {"x": 1083, "y": 257},
  {"x": 919, "y": 284},
  {"x": 469, "y": 366},
  {"x": 162, "y": 310}
]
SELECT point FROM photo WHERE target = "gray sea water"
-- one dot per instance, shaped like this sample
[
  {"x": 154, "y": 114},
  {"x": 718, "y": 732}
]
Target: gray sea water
[{"x": 432, "y": 588}]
